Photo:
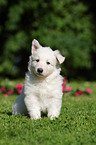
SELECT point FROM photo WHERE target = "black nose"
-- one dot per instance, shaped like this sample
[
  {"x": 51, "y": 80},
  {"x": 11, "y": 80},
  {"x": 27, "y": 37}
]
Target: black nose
[{"x": 39, "y": 70}]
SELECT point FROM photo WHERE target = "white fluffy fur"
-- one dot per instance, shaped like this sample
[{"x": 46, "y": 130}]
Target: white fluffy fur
[{"x": 42, "y": 90}]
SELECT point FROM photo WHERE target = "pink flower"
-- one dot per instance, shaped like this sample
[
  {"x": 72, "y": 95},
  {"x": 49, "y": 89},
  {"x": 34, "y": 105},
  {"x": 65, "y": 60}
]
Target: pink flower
[
  {"x": 68, "y": 89},
  {"x": 63, "y": 88},
  {"x": 88, "y": 91},
  {"x": 10, "y": 92},
  {"x": 19, "y": 88}
]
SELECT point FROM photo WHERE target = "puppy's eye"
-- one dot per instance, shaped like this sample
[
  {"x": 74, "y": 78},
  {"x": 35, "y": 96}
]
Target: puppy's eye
[
  {"x": 37, "y": 60},
  {"x": 48, "y": 62}
]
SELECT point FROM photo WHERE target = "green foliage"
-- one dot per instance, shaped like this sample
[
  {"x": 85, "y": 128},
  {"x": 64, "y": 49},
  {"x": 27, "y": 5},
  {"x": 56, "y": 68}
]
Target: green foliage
[
  {"x": 63, "y": 25},
  {"x": 76, "y": 124},
  {"x": 3, "y": 2}
]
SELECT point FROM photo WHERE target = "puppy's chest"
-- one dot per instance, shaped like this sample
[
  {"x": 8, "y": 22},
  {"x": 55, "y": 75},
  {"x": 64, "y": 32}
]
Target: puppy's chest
[
  {"x": 44, "y": 95},
  {"x": 44, "y": 90}
]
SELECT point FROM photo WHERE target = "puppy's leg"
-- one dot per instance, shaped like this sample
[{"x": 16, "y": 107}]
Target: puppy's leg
[
  {"x": 54, "y": 108},
  {"x": 33, "y": 107},
  {"x": 19, "y": 106}
]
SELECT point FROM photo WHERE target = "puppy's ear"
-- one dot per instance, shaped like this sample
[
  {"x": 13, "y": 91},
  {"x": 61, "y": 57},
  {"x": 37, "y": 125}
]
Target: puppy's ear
[
  {"x": 35, "y": 45},
  {"x": 59, "y": 57}
]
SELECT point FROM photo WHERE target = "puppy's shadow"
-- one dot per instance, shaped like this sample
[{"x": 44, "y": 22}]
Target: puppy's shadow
[
  {"x": 9, "y": 113},
  {"x": 43, "y": 114},
  {"x": 6, "y": 113}
]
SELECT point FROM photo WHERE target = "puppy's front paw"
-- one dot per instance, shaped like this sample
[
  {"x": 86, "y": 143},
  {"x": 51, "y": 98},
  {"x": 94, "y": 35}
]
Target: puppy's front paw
[
  {"x": 52, "y": 116},
  {"x": 35, "y": 117}
]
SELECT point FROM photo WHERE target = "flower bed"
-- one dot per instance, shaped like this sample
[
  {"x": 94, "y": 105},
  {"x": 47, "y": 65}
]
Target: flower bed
[
  {"x": 77, "y": 92},
  {"x": 8, "y": 90}
]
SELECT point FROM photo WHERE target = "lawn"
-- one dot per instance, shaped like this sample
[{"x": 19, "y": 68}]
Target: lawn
[{"x": 76, "y": 124}]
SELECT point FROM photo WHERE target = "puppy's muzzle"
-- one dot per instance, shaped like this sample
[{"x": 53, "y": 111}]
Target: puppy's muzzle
[{"x": 39, "y": 70}]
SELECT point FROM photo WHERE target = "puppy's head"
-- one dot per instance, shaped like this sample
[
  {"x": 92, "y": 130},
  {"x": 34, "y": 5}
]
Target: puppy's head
[{"x": 43, "y": 60}]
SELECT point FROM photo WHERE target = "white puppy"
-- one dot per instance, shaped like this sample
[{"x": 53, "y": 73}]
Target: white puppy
[{"x": 43, "y": 84}]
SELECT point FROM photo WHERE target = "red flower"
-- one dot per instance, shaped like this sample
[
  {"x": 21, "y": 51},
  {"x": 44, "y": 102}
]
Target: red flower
[
  {"x": 19, "y": 88},
  {"x": 64, "y": 84},
  {"x": 5, "y": 95},
  {"x": 88, "y": 91},
  {"x": 10, "y": 92},
  {"x": 79, "y": 92},
  {"x": 64, "y": 80},
  {"x": 3, "y": 90},
  {"x": 63, "y": 88}
]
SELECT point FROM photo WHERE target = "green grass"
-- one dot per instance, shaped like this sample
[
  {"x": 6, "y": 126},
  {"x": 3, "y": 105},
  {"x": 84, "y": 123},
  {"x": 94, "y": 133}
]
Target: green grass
[{"x": 75, "y": 126}]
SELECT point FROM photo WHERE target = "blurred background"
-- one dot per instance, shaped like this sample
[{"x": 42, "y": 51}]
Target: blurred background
[{"x": 67, "y": 25}]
